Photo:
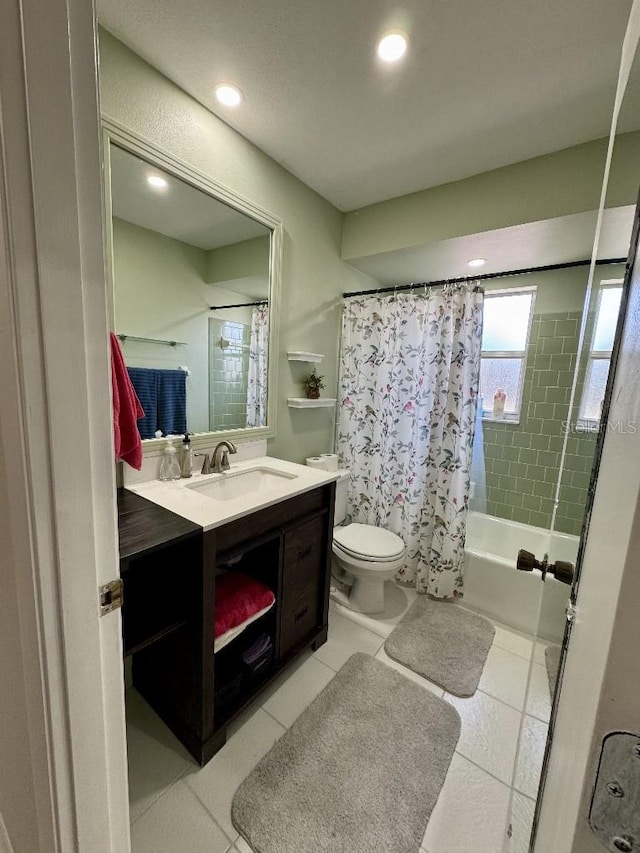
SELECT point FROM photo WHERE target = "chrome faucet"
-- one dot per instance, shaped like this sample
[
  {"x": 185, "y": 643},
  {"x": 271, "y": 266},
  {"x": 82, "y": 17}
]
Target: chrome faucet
[
  {"x": 220, "y": 457},
  {"x": 206, "y": 465}
]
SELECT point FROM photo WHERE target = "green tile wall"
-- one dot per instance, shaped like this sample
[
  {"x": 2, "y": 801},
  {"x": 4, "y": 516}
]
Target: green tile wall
[
  {"x": 229, "y": 372},
  {"x": 522, "y": 460}
]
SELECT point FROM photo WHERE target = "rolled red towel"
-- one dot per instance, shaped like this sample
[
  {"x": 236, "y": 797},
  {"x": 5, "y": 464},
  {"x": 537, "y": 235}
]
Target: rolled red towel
[{"x": 238, "y": 598}]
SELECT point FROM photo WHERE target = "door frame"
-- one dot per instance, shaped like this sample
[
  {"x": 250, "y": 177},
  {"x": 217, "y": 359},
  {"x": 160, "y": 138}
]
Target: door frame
[{"x": 59, "y": 531}]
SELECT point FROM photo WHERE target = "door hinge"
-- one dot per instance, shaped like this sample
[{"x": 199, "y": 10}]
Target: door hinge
[
  {"x": 571, "y": 611},
  {"x": 111, "y": 596}
]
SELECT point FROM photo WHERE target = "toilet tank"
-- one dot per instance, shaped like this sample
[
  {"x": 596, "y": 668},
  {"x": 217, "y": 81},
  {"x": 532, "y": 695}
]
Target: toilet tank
[{"x": 342, "y": 490}]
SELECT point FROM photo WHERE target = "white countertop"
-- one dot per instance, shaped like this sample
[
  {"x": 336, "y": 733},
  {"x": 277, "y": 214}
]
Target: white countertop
[{"x": 178, "y": 495}]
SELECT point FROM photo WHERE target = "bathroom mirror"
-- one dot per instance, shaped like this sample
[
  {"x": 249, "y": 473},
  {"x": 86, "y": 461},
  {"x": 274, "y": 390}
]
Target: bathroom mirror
[{"x": 195, "y": 272}]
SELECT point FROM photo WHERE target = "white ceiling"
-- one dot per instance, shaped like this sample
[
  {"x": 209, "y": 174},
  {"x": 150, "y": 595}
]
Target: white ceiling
[
  {"x": 180, "y": 210},
  {"x": 484, "y": 84}
]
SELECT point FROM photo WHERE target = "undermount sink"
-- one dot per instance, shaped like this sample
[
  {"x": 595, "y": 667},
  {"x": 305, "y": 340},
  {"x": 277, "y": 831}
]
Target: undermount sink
[{"x": 239, "y": 484}]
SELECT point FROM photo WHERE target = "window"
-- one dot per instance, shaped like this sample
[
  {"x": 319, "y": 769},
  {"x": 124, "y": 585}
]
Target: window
[
  {"x": 505, "y": 338},
  {"x": 595, "y": 381}
]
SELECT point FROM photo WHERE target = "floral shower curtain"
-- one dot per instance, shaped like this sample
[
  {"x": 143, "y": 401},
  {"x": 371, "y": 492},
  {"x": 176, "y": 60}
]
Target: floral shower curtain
[
  {"x": 409, "y": 376},
  {"x": 257, "y": 381}
]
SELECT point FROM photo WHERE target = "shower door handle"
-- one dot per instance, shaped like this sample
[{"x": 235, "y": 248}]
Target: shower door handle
[{"x": 561, "y": 570}]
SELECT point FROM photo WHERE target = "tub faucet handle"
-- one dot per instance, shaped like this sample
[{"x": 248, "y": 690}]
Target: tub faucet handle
[
  {"x": 527, "y": 561},
  {"x": 562, "y": 570}
]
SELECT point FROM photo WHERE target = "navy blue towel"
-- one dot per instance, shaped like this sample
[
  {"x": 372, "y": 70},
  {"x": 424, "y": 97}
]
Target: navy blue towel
[
  {"x": 146, "y": 383},
  {"x": 163, "y": 396},
  {"x": 172, "y": 401}
]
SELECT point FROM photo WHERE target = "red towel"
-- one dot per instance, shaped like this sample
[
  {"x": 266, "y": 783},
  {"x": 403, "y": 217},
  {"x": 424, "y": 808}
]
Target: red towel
[
  {"x": 238, "y": 597},
  {"x": 126, "y": 411}
]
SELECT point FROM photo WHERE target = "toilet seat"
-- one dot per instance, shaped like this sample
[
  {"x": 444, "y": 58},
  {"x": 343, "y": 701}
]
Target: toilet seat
[{"x": 367, "y": 543}]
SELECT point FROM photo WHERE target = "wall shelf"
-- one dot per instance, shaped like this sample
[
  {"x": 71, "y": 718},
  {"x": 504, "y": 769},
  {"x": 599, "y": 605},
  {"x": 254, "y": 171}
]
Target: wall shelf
[
  {"x": 304, "y": 403},
  {"x": 310, "y": 357}
]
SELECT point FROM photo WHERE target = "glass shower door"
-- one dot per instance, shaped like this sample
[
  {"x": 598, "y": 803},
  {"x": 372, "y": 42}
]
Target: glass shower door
[
  {"x": 522, "y": 448},
  {"x": 583, "y": 400}
]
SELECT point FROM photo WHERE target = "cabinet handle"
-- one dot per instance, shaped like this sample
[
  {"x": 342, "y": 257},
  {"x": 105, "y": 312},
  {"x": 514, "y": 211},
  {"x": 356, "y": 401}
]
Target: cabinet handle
[
  {"x": 305, "y": 553},
  {"x": 300, "y": 614}
]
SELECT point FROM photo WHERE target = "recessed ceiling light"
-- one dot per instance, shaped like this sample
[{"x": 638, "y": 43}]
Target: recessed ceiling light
[
  {"x": 228, "y": 95},
  {"x": 157, "y": 182},
  {"x": 392, "y": 47},
  {"x": 477, "y": 262}
]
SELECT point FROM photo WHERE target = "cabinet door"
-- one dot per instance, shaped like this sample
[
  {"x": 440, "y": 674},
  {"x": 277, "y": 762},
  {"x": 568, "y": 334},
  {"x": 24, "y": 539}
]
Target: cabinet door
[{"x": 303, "y": 581}]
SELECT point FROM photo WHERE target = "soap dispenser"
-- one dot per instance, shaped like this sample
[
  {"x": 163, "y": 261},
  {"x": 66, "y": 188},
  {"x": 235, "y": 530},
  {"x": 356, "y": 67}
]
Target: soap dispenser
[
  {"x": 186, "y": 460},
  {"x": 169, "y": 467}
]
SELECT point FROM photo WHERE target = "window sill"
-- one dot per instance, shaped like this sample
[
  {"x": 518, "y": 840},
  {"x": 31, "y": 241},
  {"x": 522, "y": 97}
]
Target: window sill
[
  {"x": 513, "y": 420},
  {"x": 586, "y": 425}
]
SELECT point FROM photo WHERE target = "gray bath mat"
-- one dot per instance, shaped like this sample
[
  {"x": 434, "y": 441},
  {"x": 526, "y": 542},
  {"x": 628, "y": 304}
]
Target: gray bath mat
[
  {"x": 552, "y": 660},
  {"x": 359, "y": 771},
  {"x": 444, "y": 643}
]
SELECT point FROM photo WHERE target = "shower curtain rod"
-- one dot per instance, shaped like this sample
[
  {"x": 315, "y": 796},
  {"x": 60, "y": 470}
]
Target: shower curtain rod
[
  {"x": 444, "y": 281},
  {"x": 239, "y": 305}
]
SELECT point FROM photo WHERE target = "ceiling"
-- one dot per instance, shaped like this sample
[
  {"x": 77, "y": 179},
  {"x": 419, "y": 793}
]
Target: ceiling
[
  {"x": 484, "y": 84},
  {"x": 180, "y": 210}
]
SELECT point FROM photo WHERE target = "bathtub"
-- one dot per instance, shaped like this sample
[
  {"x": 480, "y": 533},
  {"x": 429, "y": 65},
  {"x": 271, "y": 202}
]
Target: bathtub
[{"x": 493, "y": 586}]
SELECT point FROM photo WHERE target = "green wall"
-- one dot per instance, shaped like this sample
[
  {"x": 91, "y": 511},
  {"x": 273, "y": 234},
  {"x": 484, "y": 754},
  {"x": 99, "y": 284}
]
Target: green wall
[
  {"x": 523, "y": 460},
  {"x": 559, "y": 184},
  {"x": 248, "y": 258}
]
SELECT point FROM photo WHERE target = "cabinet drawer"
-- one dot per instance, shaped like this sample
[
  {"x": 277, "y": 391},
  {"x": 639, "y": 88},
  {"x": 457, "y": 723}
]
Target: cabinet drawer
[
  {"x": 304, "y": 559},
  {"x": 246, "y": 530},
  {"x": 299, "y": 618}
]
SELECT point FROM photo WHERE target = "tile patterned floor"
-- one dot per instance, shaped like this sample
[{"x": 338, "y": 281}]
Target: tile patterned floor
[{"x": 176, "y": 806}]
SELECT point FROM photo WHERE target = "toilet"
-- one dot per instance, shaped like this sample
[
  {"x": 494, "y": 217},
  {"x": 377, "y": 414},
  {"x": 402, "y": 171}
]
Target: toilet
[{"x": 364, "y": 557}]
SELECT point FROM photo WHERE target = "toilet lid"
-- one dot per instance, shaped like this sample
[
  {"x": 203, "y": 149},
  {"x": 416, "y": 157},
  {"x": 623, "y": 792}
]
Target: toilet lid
[{"x": 365, "y": 540}]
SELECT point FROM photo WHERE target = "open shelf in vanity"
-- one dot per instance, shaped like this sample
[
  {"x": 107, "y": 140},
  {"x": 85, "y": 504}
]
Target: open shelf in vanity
[
  {"x": 234, "y": 683},
  {"x": 170, "y": 568},
  {"x": 287, "y": 547}
]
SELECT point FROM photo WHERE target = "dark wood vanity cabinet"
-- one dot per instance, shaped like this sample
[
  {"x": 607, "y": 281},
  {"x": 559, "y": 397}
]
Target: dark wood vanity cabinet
[
  {"x": 169, "y": 612},
  {"x": 303, "y": 583}
]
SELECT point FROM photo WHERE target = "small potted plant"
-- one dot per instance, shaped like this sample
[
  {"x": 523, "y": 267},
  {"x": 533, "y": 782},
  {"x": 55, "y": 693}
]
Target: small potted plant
[{"x": 312, "y": 385}]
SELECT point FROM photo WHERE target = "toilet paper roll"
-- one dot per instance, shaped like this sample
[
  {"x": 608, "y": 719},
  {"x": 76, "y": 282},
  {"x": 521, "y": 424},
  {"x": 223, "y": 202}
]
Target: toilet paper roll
[
  {"x": 331, "y": 459},
  {"x": 316, "y": 462}
]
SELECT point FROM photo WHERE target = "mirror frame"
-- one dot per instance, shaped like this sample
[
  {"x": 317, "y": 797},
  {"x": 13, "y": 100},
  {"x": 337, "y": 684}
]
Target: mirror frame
[{"x": 115, "y": 133}]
